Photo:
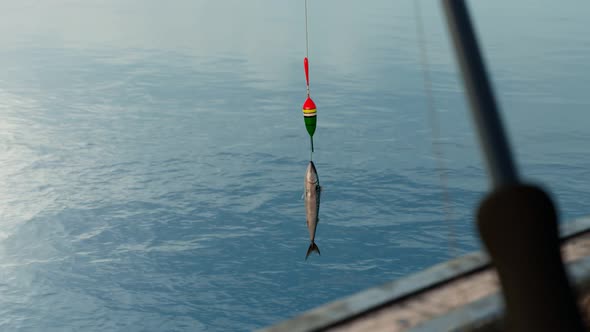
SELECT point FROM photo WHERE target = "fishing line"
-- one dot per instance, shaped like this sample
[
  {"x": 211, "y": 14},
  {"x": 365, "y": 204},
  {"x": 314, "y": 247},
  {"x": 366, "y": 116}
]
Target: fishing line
[
  {"x": 434, "y": 126},
  {"x": 307, "y": 56},
  {"x": 306, "y": 39},
  {"x": 435, "y": 130}
]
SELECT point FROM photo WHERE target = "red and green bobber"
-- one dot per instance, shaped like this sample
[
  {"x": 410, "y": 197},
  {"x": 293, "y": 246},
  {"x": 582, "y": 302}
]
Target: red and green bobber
[
  {"x": 310, "y": 118},
  {"x": 309, "y": 108}
]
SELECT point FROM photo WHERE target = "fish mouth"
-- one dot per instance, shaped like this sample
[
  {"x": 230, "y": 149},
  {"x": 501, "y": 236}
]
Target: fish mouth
[
  {"x": 312, "y": 174},
  {"x": 312, "y": 165}
]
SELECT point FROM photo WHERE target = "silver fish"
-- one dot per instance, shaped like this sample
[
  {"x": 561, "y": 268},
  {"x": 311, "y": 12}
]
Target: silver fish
[{"x": 312, "y": 204}]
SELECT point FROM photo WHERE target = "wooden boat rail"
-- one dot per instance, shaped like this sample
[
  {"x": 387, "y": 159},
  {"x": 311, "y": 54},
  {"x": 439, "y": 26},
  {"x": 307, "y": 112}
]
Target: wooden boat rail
[{"x": 461, "y": 294}]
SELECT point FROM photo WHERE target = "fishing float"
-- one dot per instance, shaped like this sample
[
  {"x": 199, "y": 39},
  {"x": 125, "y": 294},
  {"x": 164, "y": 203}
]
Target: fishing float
[{"x": 309, "y": 108}]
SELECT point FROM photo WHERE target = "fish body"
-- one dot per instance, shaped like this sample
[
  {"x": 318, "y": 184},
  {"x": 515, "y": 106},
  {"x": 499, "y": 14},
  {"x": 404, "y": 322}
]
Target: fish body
[{"x": 312, "y": 204}]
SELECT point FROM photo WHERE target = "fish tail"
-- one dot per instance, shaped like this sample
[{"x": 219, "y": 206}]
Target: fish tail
[{"x": 312, "y": 247}]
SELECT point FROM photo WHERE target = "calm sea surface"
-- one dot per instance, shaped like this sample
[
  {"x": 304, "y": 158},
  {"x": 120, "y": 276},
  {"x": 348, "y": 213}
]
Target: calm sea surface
[{"x": 152, "y": 153}]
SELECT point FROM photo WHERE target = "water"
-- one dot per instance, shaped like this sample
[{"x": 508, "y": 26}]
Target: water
[{"x": 152, "y": 155}]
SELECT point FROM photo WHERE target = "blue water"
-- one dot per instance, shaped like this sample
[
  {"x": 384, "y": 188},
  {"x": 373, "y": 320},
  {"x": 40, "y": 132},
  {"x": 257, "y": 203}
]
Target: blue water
[{"x": 152, "y": 154}]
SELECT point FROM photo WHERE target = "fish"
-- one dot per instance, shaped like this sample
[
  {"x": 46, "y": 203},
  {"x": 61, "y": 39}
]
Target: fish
[{"x": 312, "y": 205}]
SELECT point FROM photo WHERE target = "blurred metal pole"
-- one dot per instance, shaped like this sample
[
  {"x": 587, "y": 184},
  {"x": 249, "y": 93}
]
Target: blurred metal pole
[{"x": 483, "y": 105}]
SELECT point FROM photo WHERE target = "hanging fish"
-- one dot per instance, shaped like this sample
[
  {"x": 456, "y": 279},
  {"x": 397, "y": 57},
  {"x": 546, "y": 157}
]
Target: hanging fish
[
  {"x": 312, "y": 205},
  {"x": 311, "y": 182},
  {"x": 309, "y": 108}
]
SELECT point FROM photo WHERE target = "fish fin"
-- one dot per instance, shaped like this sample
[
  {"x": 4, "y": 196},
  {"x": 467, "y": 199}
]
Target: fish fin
[
  {"x": 312, "y": 247},
  {"x": 304, "y": 192}
]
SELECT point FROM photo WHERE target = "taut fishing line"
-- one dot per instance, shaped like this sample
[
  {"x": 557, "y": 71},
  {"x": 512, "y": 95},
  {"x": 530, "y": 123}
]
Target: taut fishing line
[{"x": 435, "y": 126}]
